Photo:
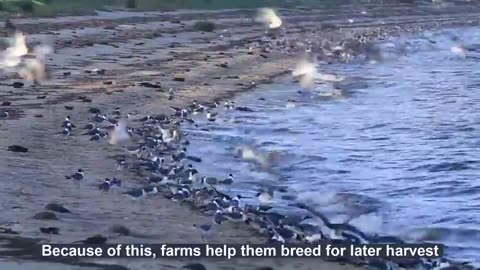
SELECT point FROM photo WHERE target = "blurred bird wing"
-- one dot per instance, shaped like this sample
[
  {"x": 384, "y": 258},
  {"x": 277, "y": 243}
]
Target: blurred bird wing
[
  {"x": 303, "y": 68},
  {"x": 275, "y": 22},
  {"x": 18, "y": 48},
  {"x": 268, "y": 16},
  {"x": 119, "y": 133}
]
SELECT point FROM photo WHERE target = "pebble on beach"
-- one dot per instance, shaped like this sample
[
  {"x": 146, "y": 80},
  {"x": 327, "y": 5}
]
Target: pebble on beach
[{"x": 17, "y": 148}]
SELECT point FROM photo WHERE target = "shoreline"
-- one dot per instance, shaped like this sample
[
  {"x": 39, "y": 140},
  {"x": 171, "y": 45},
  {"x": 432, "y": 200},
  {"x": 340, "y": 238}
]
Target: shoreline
[{"x": 48, "y": 161}]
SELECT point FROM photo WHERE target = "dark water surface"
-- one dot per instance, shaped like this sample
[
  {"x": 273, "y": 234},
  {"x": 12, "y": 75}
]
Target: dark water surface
[{"x": 398, "y": 151}]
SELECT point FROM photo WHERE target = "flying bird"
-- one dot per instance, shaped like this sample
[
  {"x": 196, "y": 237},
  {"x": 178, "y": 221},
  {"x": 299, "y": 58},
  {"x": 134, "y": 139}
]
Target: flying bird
[
  {"x": 30, "y": 65},
  {"x": 11, "y": 57},
  {"x": 269, "y": 17},
  {"x": 305, "y": 72},
  {"x": 119, "y": 134}
]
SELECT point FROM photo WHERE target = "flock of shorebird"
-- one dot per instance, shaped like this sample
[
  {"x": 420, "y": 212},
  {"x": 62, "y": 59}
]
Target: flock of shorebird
[{"x": 156, "y": 145}]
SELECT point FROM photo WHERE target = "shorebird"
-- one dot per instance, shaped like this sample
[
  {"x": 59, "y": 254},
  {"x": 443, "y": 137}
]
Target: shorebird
[
  {"x": 211, "y": 116},
  {"x": 136, "y": 193},
  {"x": 218, "y": 218},
  {"x": 67, "y": 123},
  {"x": 105, "y": 185},
  {"x": 77, "y": 176},
  {"x": 227, "y": 181}
]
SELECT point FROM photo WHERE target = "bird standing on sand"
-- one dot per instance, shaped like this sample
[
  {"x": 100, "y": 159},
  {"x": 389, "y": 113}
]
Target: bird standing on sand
[
  {"x": 227, "y": 181},
  {"x": 211, "y": 116},
  {"x": 78, "y": 176}
]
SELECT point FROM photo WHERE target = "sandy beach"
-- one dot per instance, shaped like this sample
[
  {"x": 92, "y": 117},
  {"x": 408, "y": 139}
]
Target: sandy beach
[{"x": 163, "y": 48}]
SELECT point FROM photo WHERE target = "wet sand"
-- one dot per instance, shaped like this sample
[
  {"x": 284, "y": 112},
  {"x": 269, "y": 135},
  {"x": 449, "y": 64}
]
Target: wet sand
[{"x": 159, "y": 47}]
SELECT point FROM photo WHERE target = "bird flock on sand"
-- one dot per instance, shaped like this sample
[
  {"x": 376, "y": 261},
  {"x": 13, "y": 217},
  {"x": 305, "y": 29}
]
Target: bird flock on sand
[{"x": 155, "y": 144}]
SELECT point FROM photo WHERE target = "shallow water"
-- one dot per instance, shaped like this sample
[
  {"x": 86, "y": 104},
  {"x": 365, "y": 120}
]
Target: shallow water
[{"x": 397, "y": 152}]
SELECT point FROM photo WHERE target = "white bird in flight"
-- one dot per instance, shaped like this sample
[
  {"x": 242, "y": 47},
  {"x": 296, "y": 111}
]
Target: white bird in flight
[
  {"x": 119, "y": 134},
  {"x": 306, "y": 72},
  {"x": 29, "y": 65},
  {"x": 269, "y": 17},
  {"x": 11, "y": 57}
]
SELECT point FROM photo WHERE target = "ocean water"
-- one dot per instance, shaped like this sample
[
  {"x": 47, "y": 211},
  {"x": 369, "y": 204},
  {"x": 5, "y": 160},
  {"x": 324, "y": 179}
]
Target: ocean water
[{"x": 396, "y": 151}]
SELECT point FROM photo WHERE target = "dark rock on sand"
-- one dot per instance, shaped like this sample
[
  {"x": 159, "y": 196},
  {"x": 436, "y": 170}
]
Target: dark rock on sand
[
  {"x": 18, "y": 84},
  {"x": 56, "y": 207},
  {"x": 179, "y": 79},
  {"x": 6, "y": 103},
  {"x": 94, "y": 110},
  {"x": 17, "y": 148},
  {"x": 243, "y": 109},
  {"x": 194, "y": 266},
  {"x": 150, "y": 85},
  {"x": 49, "y": 230},
  {"x": 45, "y": 216}
]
